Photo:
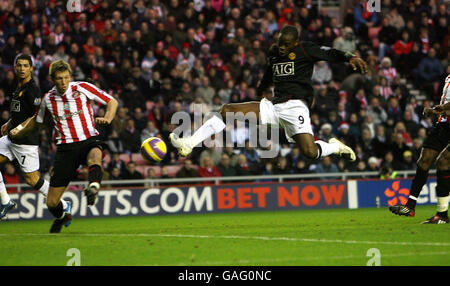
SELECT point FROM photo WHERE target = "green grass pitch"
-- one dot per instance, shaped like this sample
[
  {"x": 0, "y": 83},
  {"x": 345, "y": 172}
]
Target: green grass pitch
[{"x": 315, "y": 237}]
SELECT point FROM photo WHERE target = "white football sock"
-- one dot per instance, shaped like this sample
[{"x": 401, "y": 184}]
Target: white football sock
[
  {"x": 212, "y": 126},
  {"x": 95, "y": 185},
  {"x": 44, "y": 191},
  {"x": 44, "y": 188},
  {"x": 4, "y": 197},
  {"x": 442, "y": 204},
  {"x": 64, "y": 204},
  {"x": 327, "y": 148}
]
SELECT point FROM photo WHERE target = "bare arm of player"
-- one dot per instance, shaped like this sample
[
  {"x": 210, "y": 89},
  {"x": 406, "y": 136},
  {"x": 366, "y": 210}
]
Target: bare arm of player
[
  {"x": 111, "y": 108},
  {"x": 5, "y": 128},
  {"x": 438, "y": 110},
  {"x": 24, "y": 128}
]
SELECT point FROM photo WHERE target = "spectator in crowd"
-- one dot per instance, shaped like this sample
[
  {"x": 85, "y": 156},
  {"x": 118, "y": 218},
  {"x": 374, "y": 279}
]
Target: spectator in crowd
[
  {"x": 115, "y": 174},
  {"x": 229, "y": 150},
  {"x": 114, "y": 143},
  {"x": 250, "y": 153},
  {"x": 402, "y": 48},
  {"x": 387, "y": 36},
  {"x": 118, "y": 123},
  {"x": 388, "y": 173},
  {"x": 322, "y": 73},
  {"x": 301, "y": 167},
  {"x": 325, "y": 133},
  {"x": 116, "y": 162},
  {"x": 430, "y": 71},
  {"x": 364, "y": 19},
  {"x": 326, "y": 166},
  {"x": 151, "y": 174},
  {"x": 11, "y": 176},
  {"x": 408, "y": 163},
  {"x": 139, "y": 119},
  {"x": 225, "y": 167},
  {"x": 372, "y": 166},
  {"x": 244, "y": 168},
  {"x": 149, "y": 131},
  {"x": 283, "y": 167},
  {"x": 130, "y": 137},
  {"x": 346, "y": 42},
  {"x": 187, "y": 171},
  {"x": 130, "y": 173},
  {"x": 165, "y": 174},
  {"x": 208, "y": 169}
]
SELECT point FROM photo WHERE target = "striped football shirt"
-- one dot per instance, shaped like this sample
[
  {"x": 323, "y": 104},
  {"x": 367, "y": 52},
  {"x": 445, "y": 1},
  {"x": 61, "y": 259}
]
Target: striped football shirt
[
  {"x": 71, "y": 112},
  {"x": 445, "y": 98}
]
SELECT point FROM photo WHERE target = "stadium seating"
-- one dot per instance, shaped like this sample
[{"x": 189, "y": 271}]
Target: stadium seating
[{"x": 373, "y": 36}]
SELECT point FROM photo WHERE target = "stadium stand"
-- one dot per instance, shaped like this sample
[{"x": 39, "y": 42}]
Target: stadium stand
[{"x": 158, "y": 57}]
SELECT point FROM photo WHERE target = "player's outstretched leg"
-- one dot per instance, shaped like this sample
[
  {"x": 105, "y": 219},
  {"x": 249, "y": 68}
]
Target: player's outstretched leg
[
  {"x": 6, "y": 204},
  {"x": 63, "y": 215},
  {"x": 212, "y": 126},
  {"x": 319, "y": 149},
  {"x": 185, "y": 145},
  {"x": 343, "y": 150}
]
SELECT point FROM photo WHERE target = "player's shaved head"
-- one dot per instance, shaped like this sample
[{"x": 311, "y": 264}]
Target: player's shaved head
[
  {"x": 289, "y": 31},
  {"x": 287, "y": 39}
]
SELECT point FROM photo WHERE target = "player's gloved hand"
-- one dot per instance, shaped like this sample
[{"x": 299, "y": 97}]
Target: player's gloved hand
[
  {"x": 357, "y": 62},
  {"x": 102, "y": 120}
]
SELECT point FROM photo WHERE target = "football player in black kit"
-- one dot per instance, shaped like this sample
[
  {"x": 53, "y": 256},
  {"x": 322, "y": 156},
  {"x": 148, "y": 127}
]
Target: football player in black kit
[
  {"x": 290, "y": 67},
  {"x": 24, "y": 102}
]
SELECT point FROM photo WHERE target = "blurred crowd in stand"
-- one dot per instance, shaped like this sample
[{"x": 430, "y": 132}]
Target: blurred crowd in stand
[{"x": 161, "y": 57}]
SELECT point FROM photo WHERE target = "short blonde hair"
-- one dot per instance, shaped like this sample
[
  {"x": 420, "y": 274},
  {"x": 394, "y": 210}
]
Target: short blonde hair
[{"x": 59, "y": 66}]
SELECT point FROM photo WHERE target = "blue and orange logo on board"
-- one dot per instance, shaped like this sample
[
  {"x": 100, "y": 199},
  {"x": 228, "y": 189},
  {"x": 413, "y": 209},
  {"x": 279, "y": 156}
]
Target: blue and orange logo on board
[{"x": 396, "y": 194}]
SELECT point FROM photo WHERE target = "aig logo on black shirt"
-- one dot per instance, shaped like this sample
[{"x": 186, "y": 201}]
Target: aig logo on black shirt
[
  {"x": 283, "y": 69},
  {"x": 15, "y": 105}
]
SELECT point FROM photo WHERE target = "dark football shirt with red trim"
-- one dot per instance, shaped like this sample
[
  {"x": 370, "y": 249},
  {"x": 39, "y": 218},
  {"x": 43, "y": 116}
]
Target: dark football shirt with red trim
[{"x": 24, "y": 102}]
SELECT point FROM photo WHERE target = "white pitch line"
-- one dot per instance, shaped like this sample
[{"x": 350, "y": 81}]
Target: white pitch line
[
  {"x": 323, "y": 258},
  {"x": 267, "y": 238}
]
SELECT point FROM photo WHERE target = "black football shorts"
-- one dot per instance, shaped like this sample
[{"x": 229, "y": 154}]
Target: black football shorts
[
  {"x": 438, "y": 137},
  {"x": 69, "y": 157}
]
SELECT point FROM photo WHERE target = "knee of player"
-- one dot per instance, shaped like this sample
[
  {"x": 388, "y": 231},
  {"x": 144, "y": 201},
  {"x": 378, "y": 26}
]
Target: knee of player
[
  {"x": 51, "y": 202},
  {"x": 310, "y": 152},
  {"x": 443, "y": 164},
  {"x": 31, "y": 179},
  {"x": 425, "y": 162}
]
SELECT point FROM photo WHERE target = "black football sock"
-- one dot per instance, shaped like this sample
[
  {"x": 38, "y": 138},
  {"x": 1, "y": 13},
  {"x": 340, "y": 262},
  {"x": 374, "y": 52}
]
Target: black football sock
[
  {"x": 417, "y": 184},
  {"x": 95, "y": 175},
  {"x": 57, "y": 211},
  {"x": 443, "y": 214},
  {"x": 319, "y": 151}
]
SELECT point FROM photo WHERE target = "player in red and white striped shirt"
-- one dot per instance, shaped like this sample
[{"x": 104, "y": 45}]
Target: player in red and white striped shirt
[
  {"x": 435, "y": 146},
  {"x": 68, "y": 103}
]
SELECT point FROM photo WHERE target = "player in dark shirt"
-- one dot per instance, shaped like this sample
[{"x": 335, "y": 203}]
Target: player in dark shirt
[
  {"x": 290, "y": 67},
  {"x": 25, "y": 100}
]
